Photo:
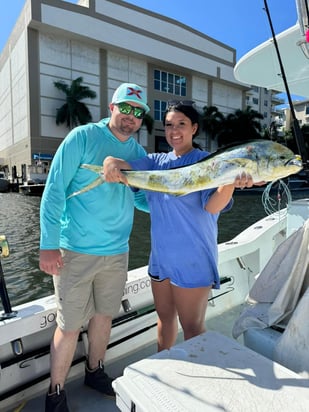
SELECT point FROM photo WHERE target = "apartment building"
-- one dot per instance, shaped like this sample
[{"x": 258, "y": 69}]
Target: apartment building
[
  {"x": 107, "y": 43},
  {"x": 264, "y": 101},
  {"x": 284, "y": 117}
]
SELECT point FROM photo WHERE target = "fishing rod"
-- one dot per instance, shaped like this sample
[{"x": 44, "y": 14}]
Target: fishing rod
[{"x": 295, "y": 125}]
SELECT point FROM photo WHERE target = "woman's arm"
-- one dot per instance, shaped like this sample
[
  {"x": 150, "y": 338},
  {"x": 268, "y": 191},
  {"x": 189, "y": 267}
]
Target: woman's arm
[{"x": 222, "y": 196}]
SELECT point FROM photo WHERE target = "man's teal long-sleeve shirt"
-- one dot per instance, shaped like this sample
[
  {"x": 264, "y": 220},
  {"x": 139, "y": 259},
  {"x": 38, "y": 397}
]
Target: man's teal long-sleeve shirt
[{"x": 97, "y": 222}]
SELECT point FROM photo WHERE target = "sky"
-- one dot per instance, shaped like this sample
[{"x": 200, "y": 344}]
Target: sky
[{"x": 241, "y": 24}]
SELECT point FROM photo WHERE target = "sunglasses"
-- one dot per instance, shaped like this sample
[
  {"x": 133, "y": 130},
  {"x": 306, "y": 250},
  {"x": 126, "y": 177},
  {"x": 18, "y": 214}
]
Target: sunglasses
[
  {"x": 177, "y": 103},
  {"x": 126, "y": 108}
]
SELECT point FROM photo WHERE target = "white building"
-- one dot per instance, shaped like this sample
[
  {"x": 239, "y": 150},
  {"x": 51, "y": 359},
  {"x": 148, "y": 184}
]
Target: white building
[
  {"x": 285, "y": 119},
  {"x": 264, "y": 101},
  {"x": 107, "y": 43}
]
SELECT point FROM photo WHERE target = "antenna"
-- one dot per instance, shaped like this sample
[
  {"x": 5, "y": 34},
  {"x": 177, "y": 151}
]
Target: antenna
[{"x": 297, "y": 132}]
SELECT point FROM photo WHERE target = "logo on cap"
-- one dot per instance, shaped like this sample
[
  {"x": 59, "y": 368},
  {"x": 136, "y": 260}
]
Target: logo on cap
[{"x": 131, "y": 92}]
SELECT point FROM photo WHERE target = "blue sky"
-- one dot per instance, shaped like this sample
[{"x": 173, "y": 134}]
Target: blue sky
[{"x": 241, "y": 24}]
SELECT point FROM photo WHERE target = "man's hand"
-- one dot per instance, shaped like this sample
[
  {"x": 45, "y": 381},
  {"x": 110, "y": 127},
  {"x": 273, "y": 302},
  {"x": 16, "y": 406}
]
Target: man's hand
[
  {"x": 112, "y": 170},
  {"x": 51, "y": 261}
]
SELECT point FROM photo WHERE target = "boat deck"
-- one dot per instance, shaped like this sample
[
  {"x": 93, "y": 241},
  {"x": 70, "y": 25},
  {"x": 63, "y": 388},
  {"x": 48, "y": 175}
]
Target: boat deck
[{"x": 83, "y": 399}]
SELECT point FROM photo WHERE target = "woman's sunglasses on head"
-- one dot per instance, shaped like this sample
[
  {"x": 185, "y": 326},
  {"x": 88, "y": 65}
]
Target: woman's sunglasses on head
[
  {"x": 177, "y": 103},
  {"x": 126, "y": 108}
]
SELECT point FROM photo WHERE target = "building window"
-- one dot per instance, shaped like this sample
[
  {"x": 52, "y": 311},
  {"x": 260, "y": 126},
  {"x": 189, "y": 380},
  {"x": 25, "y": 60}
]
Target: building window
[
  {"x": 255, "y": 88},
  {"x": 265, "y": 115},
  {"x": 255, "y": 100},
  {"x": 266, "y": 103},
  {"x": 170, "y": 83},
  {"x": 159, "y": 109},
  {"x": 307, "y": 109}
]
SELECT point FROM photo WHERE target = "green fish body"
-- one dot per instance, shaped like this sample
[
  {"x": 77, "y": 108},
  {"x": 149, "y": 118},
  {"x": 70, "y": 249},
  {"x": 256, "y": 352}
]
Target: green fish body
[{"x": 264, "y": 160}]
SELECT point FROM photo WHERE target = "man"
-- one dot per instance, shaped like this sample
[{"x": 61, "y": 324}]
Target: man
[{"x": 84, "y": 239}]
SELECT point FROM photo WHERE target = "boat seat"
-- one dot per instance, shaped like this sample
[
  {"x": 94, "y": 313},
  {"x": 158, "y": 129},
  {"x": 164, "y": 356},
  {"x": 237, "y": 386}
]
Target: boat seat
[{"x": 262, "y": 341}]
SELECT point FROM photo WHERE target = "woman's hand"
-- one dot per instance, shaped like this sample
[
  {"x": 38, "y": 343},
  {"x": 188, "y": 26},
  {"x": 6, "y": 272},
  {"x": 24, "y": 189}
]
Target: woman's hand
[{"x": 245, "y": 181}]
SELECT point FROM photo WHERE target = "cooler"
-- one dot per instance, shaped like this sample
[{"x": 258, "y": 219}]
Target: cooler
[{"x": 210, "y": 372}]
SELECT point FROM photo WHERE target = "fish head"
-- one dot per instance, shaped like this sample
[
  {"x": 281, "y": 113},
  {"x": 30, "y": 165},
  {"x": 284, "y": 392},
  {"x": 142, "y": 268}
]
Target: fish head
[
  {"x": 282, "y": 162},
  {"x": 295, "y": 162}
]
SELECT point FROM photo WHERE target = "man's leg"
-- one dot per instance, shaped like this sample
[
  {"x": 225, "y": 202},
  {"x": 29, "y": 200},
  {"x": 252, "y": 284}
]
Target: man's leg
[
  {"x": 63, "y": 348},
  {"x": 99, "y": 330}
]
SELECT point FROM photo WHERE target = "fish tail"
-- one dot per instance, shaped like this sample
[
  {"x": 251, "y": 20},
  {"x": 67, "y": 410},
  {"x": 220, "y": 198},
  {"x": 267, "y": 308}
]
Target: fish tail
[{"x": 98, "y": 181}]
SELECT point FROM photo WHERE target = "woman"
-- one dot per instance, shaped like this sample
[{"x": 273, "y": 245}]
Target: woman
[{"x": 184, "y": 253}]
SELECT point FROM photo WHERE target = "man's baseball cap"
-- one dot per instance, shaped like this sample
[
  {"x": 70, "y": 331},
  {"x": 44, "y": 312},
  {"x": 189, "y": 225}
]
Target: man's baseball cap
[{"x": 130, "y": 92}]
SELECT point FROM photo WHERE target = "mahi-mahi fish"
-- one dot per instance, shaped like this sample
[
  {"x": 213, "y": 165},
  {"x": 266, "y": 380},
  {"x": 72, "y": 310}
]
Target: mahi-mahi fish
[{"x": 263, "y": 160}]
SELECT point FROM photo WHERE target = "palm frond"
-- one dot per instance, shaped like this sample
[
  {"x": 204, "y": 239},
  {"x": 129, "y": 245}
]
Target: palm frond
[{"x": 74, "y": 112}]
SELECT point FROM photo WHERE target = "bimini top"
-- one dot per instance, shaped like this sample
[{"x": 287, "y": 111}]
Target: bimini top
[{"x": 260, "y": 67}]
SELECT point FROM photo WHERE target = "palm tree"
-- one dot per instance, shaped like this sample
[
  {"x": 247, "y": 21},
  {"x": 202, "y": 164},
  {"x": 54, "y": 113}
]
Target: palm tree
[
  {"x": 212, "y": 121},
  {"x": 74, "y": 112},
  {"x": 240, "y": 126},
  {"x": 148, "y": 123}
]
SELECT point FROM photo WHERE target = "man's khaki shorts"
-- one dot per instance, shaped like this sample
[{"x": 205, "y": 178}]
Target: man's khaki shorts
[{"x": 87, "y": 285}]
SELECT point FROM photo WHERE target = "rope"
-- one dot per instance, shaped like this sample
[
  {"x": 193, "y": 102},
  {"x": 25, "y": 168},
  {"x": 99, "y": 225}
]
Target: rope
[{"x": 276, "y": 197}]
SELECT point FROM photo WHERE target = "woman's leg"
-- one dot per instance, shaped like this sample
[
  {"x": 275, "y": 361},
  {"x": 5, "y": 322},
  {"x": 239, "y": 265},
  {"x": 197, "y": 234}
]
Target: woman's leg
[
  {"x": 191, "y": 307},
  {"x": 167, "y": 315}
]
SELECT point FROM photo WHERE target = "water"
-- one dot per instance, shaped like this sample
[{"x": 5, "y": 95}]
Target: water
[{"x": 19, "y": 221}]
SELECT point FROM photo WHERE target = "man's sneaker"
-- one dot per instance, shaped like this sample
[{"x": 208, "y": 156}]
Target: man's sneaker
[
  {"x": 56, "y": 401},
  {"x": 97, "y": 379}
]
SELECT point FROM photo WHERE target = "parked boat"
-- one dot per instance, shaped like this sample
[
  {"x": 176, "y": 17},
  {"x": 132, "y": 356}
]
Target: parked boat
[
  {"x": 32, "y": 189},
  {"x": 4, "y": 183},
  {"x": 34, "y": 183}
]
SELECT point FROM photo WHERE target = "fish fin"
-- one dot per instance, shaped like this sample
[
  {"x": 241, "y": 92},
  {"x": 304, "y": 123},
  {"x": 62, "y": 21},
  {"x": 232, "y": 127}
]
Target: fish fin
[
  {"x": 98, "y": 181},
  {"x": 234, "y": 145},
  {"x": 219, "y": 151}
]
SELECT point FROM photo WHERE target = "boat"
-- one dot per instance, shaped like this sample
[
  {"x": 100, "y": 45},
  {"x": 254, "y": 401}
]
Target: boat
[
  {"x": 26, "y": 330},
  {"x": 32, "y": 189},
  {"x": 34, "y": 183},
  {"x": 247, "y": 360},
  {"x": 4, "y": 183}
]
